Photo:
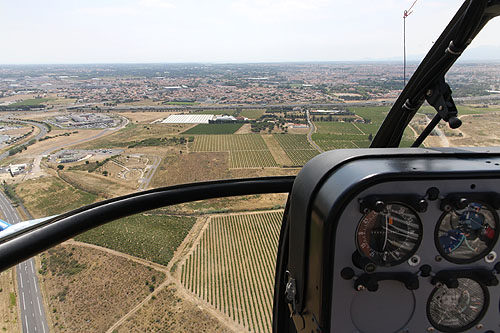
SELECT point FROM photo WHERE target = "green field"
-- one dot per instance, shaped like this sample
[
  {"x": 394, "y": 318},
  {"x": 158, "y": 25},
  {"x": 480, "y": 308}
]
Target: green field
[
  {"x": 214, "y": 129},
  {"x": 151, "y": 237},
  {"x": 375, "y": 113},
  {"x": 336, "y": 127},
  {"x": 30, "y": 102},
  {"x": 232, "y": 267},
  {"x": 252, "y": 113},
  {"x": 296, "y": 147},
  {"x": 245, "y": 151},
  {"x": 229, "y": 112},
  {"x": 180, "y": 103}
]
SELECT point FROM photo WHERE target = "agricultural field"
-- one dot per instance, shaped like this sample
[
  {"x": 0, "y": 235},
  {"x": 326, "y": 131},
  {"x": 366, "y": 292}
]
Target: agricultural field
[
  {"x": 340, "y": 135},
  {"x": 150, "y": 237},
  {"x": 213, "y": 129},
  {"x": 232, "y": 267},
  {"x": 30, "y": 102},
  {"x": 297, "y": 148},
  {"x": 245, "y": 150},
  {"x": 229, "y": 112},
  {"x": 88, "y": 289},
  {"x": 252, "y": 113},
  {"x": 133, "y": 134},
  {"x": 43, "y": 196}
]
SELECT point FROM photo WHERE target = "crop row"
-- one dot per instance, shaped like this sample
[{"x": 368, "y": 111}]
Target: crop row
[
  {"x": 232, "y": 267},
  {"x": 151, "y": 237},
  {"x": 296, "y": 147},
  {"x": 217, "y": 143},
  {"x": 245, "y": 151},
  {"x": 252, "y": 159}
]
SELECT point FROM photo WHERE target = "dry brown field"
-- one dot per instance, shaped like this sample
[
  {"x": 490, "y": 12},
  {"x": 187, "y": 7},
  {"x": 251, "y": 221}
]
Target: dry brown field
[
  {"x": 134, "y": 132},
  {"x": 87, "y": 289},
  {"x": 8, "y": 303},
  {"x": 170, "y": 312},
  {"x": 201, "y": 166},
  {"x": 97, "y": 184},
  {"x": 50, "y": 195},
  {"x": 145, "y": 117},
  {"x": 479, "y": 130}
]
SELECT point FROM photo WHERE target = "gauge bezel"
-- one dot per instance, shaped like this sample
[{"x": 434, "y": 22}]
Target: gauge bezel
[
  {"x": 480, "y": 316},
  {"x": 477, "y": 257},
  {"x": 409, "y": 254}
]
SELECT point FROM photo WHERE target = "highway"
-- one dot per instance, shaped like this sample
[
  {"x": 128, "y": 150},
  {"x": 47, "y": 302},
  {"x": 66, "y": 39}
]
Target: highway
[
  {"x": 43, "y": 132},
  {"x": 30, "y": 298}
]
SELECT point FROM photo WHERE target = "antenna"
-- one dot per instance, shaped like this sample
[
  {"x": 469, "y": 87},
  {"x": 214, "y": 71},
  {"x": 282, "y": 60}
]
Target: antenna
[{"x": 405, "y": 15}]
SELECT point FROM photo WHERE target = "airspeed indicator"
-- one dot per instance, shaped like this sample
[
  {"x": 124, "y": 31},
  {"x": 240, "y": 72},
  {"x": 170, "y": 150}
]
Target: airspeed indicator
[{"x": 389, "y": 237}]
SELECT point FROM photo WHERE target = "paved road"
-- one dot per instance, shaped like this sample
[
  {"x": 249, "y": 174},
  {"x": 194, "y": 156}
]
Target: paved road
[
  {"x": 149, "y": 174},
  {"x": 43, "y": 132},
  {"x": 30, "y": 298},
  {"x": 312, "y": 129},
  {"x": 35, "y": 170}
]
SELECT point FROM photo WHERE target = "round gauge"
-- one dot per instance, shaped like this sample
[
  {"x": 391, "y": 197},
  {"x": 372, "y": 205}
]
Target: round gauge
[
  {"x": 457, "y": 309},
  {"x": 466, "y": 235},
  {"x": 391, "y": 236}
]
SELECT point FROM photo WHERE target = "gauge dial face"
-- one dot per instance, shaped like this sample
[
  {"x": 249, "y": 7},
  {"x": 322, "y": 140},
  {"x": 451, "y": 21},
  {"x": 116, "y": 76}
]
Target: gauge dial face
[
  {"x": 467, "y": 235},
  {"x": 391, "y": 236},
  {"x": 458, "y": 309}
]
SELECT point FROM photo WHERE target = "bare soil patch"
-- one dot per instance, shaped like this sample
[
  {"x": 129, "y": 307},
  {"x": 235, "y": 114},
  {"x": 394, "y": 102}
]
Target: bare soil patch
[
  {"x": 245, "y": 129},
  {"x": 97, "y": 184},
  {"x": 134, "y": 133},
  {"x": 478, "y": 130},
  {"x": 276, "y": 150},
  {"x": 8, "y": 302},
  {"x": 88, "y": 289},
  {"x": 191, "y": 167},
  {"x": 254, "y": 202},
  {"x": 145, "y": 117},
  {"x": 168, "y": 312}
]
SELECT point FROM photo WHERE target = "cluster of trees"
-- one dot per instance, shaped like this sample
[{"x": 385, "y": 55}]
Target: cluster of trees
[
  {"x": 10, "y": 192},
  {"x": 20, "y": 148},
  {"x": 161, "y": 141},
  {"x": 58, "y": 135}
]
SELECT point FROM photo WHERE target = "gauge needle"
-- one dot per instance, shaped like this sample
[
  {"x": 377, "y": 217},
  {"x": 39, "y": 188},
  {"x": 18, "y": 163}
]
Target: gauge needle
[{"x": 386, "y": 230}]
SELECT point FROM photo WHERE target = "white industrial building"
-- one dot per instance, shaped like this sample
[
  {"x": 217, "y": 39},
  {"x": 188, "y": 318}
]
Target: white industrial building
[{"x": 188, "y": 119}]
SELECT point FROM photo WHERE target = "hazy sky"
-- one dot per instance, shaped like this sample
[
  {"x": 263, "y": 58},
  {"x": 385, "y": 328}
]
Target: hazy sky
[{"x": 97, "y": 31}]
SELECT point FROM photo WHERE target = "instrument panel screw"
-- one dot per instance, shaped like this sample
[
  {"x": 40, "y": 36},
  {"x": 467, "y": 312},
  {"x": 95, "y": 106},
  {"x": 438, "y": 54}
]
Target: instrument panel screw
[
  {"x": 430, "y": 329},
  {"x": 360, "y": 288},
  {"x": 479, "y": 326},
  {"x": 438, "y": 258},
  {"x": 414, "y": 261},
  {"x": 491, "y": 257}
]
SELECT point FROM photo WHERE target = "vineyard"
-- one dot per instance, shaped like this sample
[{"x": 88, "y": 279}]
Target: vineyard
[
  {"x": 232, "y": 267},
  {"x": 340, "y": 135},
  {"x": 296, "y": 147},
  {"x": 214, "y": 129},
  {"x": 151, "y": 237},
  {"x": 245, "y": 151}
]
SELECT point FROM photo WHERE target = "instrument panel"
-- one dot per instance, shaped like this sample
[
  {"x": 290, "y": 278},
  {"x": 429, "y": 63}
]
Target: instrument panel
[
  {"x": 401, "y": 243},
  {"x": 435, "y": 241}
]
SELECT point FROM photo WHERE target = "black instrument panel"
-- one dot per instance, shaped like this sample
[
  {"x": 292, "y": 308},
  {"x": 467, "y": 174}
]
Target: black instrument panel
[
  {"x": 397, "y": 250},
  {"x": 396, "y": 241}
]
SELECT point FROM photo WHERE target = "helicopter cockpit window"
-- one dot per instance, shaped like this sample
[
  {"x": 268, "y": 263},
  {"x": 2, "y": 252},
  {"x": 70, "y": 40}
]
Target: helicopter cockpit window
[{"x": 106, "y": 104}]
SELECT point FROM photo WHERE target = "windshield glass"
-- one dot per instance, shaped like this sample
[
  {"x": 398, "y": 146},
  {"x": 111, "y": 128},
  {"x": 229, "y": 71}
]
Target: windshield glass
[{"x": 104, "y": 99}]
